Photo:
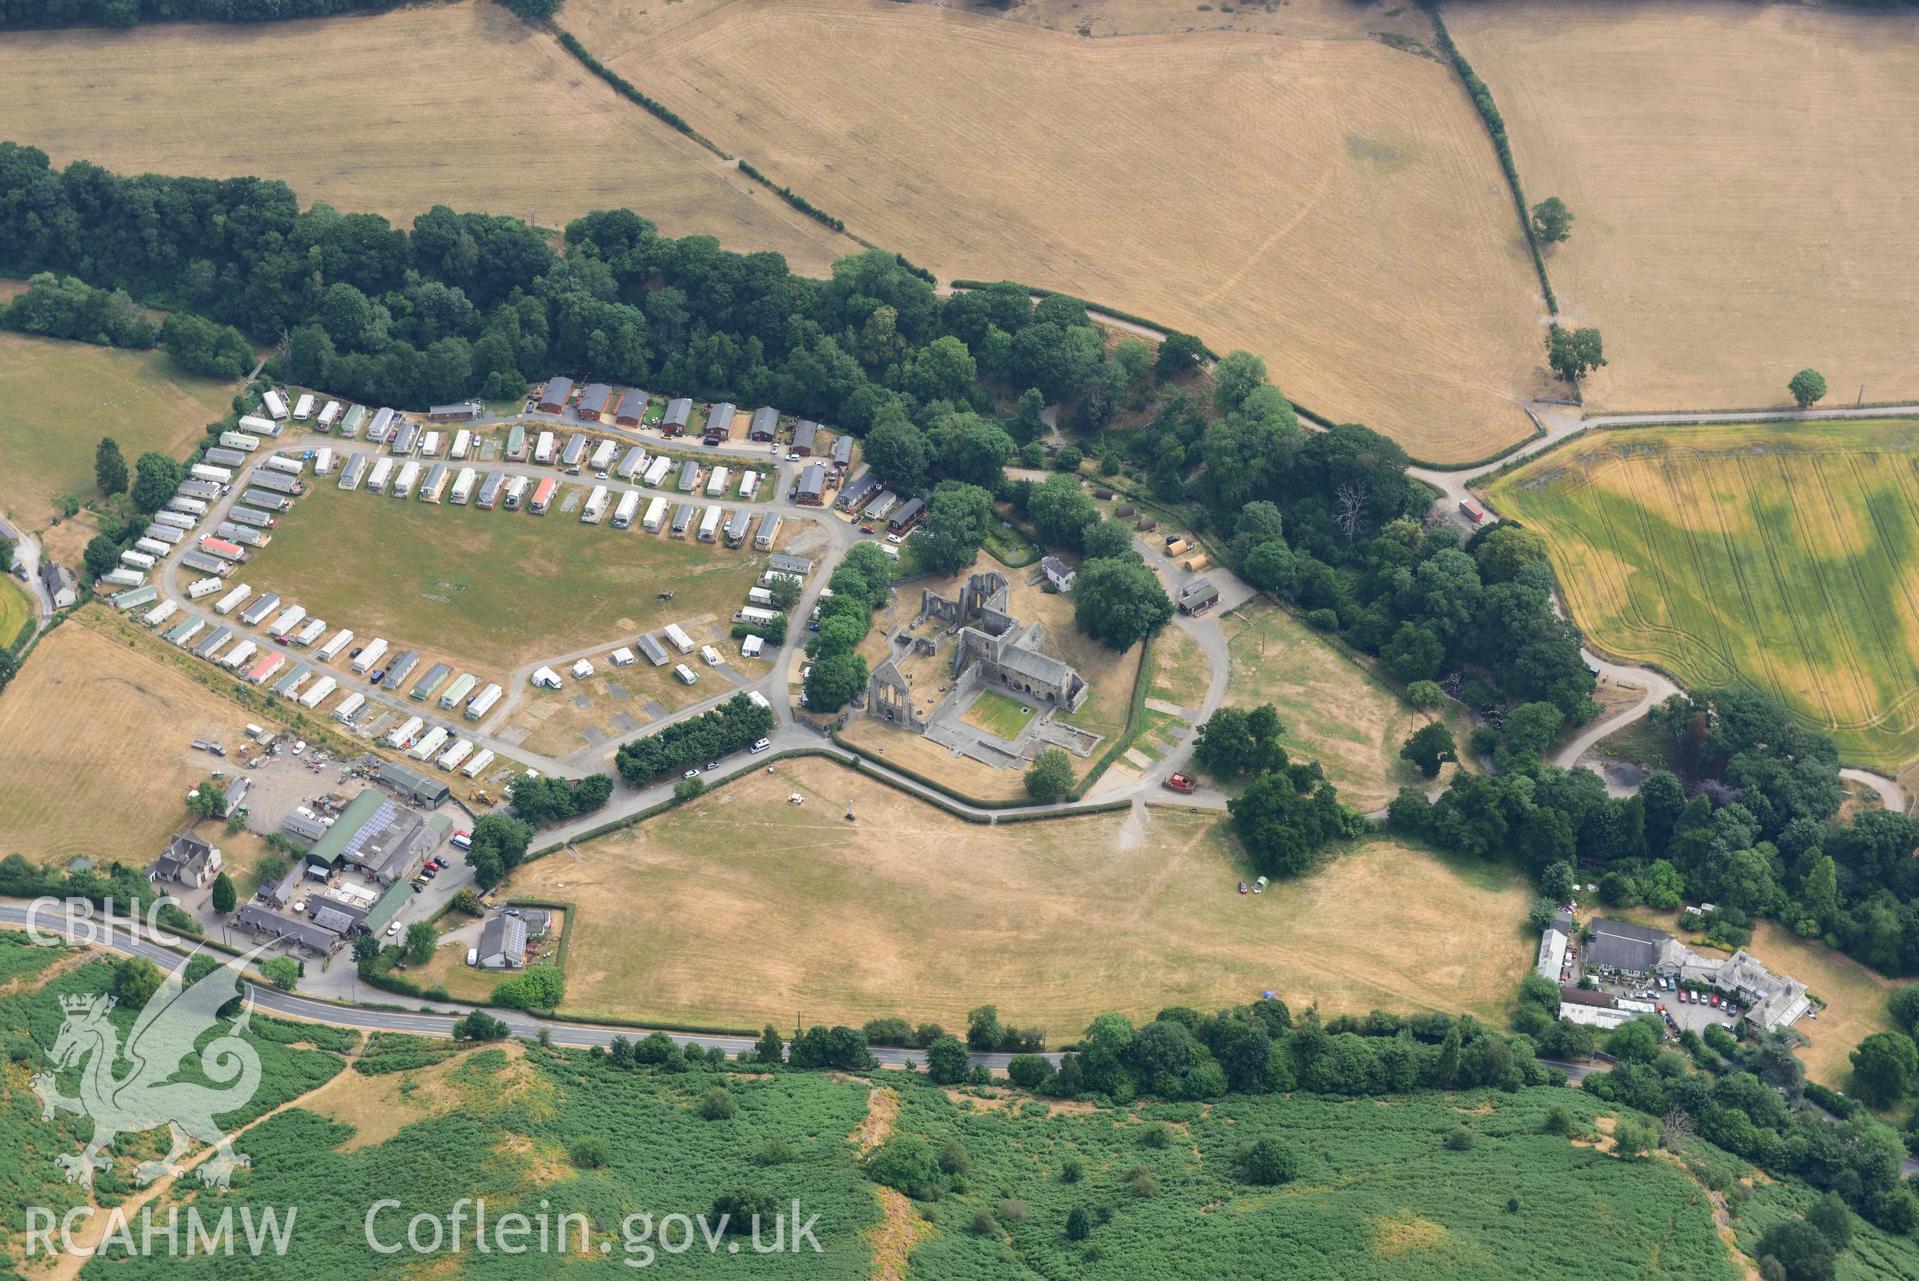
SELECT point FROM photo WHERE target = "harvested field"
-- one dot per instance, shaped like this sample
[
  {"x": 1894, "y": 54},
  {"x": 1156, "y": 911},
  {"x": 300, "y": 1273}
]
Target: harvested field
[
  {"x": 909, "y": 911},
  {"x": 492, "y": 589},
  {"x": 1298, "y": 192},
  {"x": 58, "y": 398},
  {"x": 1775, "y": 557},
  {"x": 1744, "y": 183},
  {"x": 95, "y": 736},
  {"x": 1335, "y": 710},
  {"x": 460, "y": 104}
]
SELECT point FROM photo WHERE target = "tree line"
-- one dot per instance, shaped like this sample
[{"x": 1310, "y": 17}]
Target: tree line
[{"x": 19, "y": 14}]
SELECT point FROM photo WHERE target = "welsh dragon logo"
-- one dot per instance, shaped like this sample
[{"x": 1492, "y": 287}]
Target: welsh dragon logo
[{"x": 168, "y": 1029}]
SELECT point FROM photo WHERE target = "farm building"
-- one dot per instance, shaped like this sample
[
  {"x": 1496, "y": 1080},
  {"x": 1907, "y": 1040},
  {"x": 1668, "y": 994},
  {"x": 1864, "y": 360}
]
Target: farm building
[
  {"x": 657, "y": 469},
  {"x": 329, "y": 416},
  {"x": 543, "y": 496},
  {"x": 464, "y": 411},
  {"x": 1058, "y": 573},
  {"x": 1622, "y": 947},
  {"x": 369, "y": 654},
  {"x": 632, "y": 409},
  {"x": 811, "y": 490},
  {"x": 655, "y": 653},
  {"x": 806, "y": 434},
  {"x": 490, "y": 489},
  {"x": 689, "y": 476},
  {"x": 737, "y": 527},
  {"x": 655, "y": 516},
  {"x": 274, "y": 402},
  {"x": 678, "y": 412},
  {"x": 304, "y": 826},
  {"x": 502, "y": 944},
  {"x": 603, "y": 454},
  {"x": 187, "y": 860},
  {"x": 424, "y": 688},
  {"x": 907, "y": 516},
  {"x": 593, "y": 399},
  {"x": 716, "y": 481},
  {"x": 682, "y": 520},
  {"x": 483, "y": 702},
  {"x": 719, "y": 421},
  {"x": 768, "y": 533},
  {"x": 858, "y": 491},
  {"x": 516, "y": 442},
  {"x": 462, "y": 685},
  {"x": 480, "y": 760},
  {"x": 263, "y": 923},
  {"x": 463, "y": 485},
  {"x": 558, "y": 391},
  {"x": 631, "y": 462},
  {"x": 843, "y": 451},
  {"x": 375, "y": 836},
  {"x": 765, "y": 425},
  {"x": 575, "y": 452},
  {"x": 303, "y": 408}
]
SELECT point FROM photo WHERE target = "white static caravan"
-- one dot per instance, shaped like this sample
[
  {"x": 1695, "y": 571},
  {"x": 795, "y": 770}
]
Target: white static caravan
[
  {"x": 310, "y": 631},
  {"x": 452, "y": 756},
  {"x": 286, "y": 465},
  {"x": 429, "y": 744},
  {"x": 303, "y": 408},
  {"x": 630, "y": 463},
  {"x": 758, "y": 700},
  {"x": 368, "y": 656},
  {"x": 137, "y": 560},
  {"x": 274, "y": 403},
  {"x": 456, "y": 692},
  {"x": 623, "y": 514},
  {"x": 258, "y": 426},
  {"x": 430, "y": 444},
  {"x": 434, "y": 485},
  {"x": 160, "y": 613},
  {"x": 462, "y": 442},
  {"x": 657, "y": 469},
  {"x": 716, "y": 481},
  {"x": 174, "y": 520},
  {"x": 408, "y": 477},
  {"x": 350, "y": 704},
  {"x": 239, "y": 654},
  {"x": 151, "y": 546},
  {"x": 353, "y": 472},
  {"x": 543, "y": 448},
  {"x": 655, "y": 516},
  {"x": 403, "y": 735},
  {"x": 381, "y": 428},
  {"x": 515, "y": 492},
  {"x": 186, "y": 505},
  {"x": 483, "y": 702},
  {"x": 749, "y": 484},
  {"x": 678, "y": 638},
  {"x": 323, "y": 462},
  {"x": 231, "y": 601},
  {"x": 205, "y": 587},
  {"x": 595, "y": 507},
  {"x": 463, "y": 486},
  {"x": 286, "y": 619},
  {"x": 376, "y": 480},
  {"x": 207, "y": 471},
  {"x": 480, "y": 760},
  {"x": 330, "y": 415},
  {"x": 240, "y": 440},
  {"x": 603, "y": 455},
  {"x": 755, "y": 615},
  {"x": 321, "y": 691},
  {"x": 710, "y": 524},
  {"x": 335, "y": 646},
  {"x": 759, "y": 596}
]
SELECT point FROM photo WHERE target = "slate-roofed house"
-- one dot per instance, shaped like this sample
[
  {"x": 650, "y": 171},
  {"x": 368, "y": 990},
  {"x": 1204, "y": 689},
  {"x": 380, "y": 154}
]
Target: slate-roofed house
[
  {"x": 806, "y": 435},
  {"x": 264, "y": 923},
  {"x": 1625, "y": 948},
  {"x": 765, "y": 425},
  {"x": 60, "y": 584},
  {"x": 187, "y": 860},
  {"x": 1058, "y": 573},
  {"x": 502, "y": 944}
]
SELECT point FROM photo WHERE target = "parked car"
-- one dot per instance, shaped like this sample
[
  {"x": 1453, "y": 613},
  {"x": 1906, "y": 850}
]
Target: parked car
[
  {"x": 692, "y": 773},
  {"x": 712, "y": 765},
  {"x": 866, "y": 529},
  {"x": 463, "y": 840},
  {"x": 1715, "y": 1000},
  {"x": 378, "y": 677},
  {"x": 1181, "y": 783},
  {"x": 300, "y": 747},
  {"x": 393, "y": 929}
]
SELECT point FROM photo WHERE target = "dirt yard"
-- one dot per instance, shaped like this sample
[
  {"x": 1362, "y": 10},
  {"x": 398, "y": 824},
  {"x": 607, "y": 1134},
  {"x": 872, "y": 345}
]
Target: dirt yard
[
  {"x": 908, "y": 911},
  {"x": 1300, "y": 192},
  {"x": 456, "y": 104},
  {"x": 1745, "y": 180}
]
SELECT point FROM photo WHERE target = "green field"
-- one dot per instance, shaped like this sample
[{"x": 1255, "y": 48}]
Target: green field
[
  {"x": 496, "y": 589},
  {"x": 997, "y": 714},
  {"x": 57, "y": 399},
  {"x": 1783, "y": 558},
  {"x": 16, "y": 611}
]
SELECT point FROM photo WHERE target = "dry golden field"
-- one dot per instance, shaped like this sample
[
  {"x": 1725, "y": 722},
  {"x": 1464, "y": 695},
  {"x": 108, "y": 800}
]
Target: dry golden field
[
  {"x": 95, "y": 739},
  {"x": 459, "y": 104},
  {"x": 1774, "y": 556},
  {"x": 1744, "y": 182},
  {"x": 1316, "y": 196},
  {"x": 909, "y": 911}
]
